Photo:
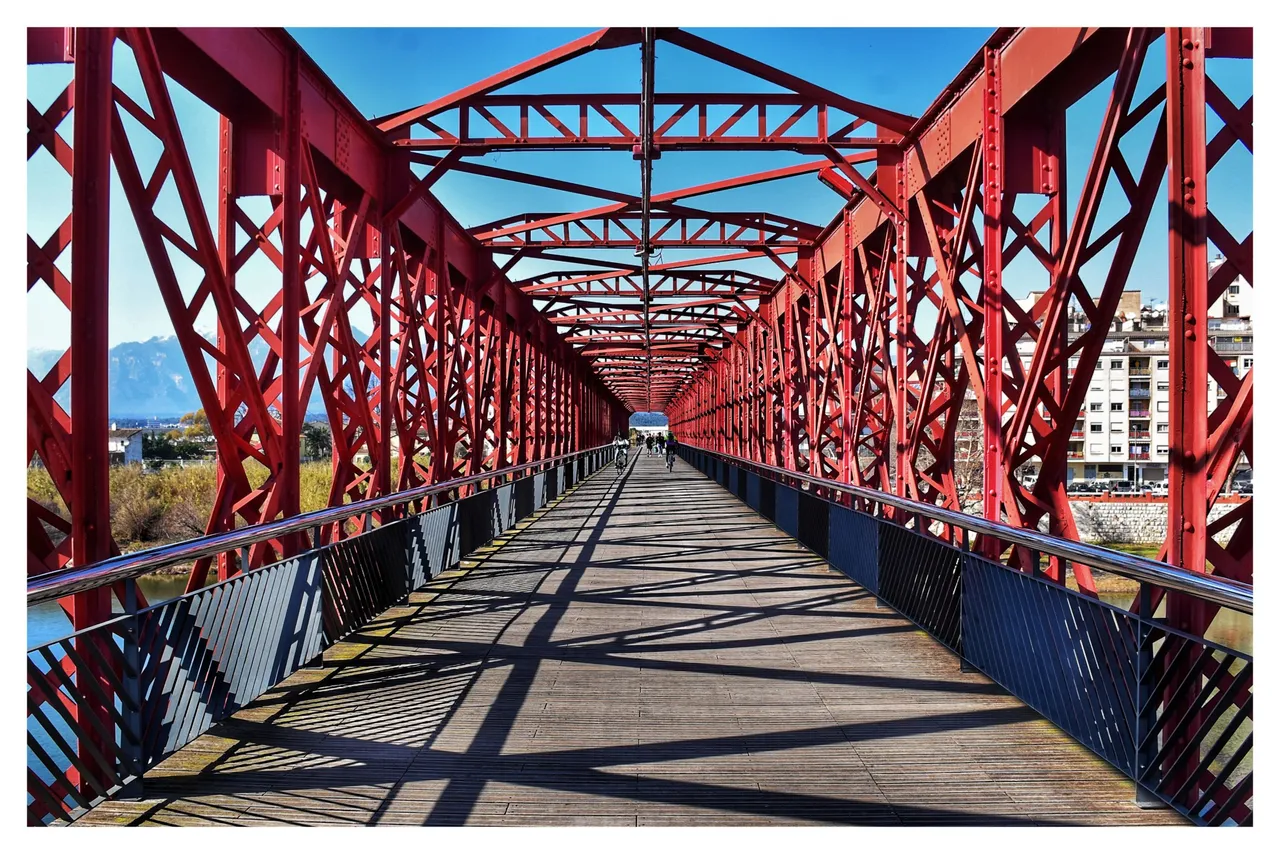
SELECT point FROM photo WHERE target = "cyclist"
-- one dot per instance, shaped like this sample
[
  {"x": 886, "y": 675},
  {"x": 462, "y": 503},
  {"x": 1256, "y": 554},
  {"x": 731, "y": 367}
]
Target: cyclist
[
  {"x": 671, "y": 450},
  {"x": 620, "y": 445}
]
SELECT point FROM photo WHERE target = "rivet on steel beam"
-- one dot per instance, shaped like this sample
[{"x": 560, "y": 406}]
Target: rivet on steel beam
[
  {"x": 1191, "y": 335},
  {"x": 1188, "y": 527},
  {"x": 1189, "y": 199},
  {"x": 1189, "y": 318},
  {"x": 1186, "y": 63},
  {"x": 1188, "y": 44}
]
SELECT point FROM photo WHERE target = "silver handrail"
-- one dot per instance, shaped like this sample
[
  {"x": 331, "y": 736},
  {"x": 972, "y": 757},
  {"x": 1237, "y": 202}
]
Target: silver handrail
[
  {"x": 63, "y": 582},
  {"x": 1220, "y": 591}
]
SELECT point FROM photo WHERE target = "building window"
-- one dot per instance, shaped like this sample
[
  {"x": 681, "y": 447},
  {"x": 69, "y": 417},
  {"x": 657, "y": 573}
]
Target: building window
[
  {"x": 1162, "y": 364},
  {"x": 1248, "y": 363},
  {"x": 1095, "y": 428},
  {"x": 1117, "y": 428},
  {"x": 1116, "y": 364},
  {"x": 1162, "y": 428},
  {"x": 1117, "y": 407},
  {"x": 1162, "y": 386},
  {"x": 1117, "y": 449},
  {"x": 1162, "y": 406},
  {"x": 1233, "y": 289},
  {"x": 1162, "y": 449},
  {"x": 1095, "y": 449},
  {"x": 1095, "y": 407}
]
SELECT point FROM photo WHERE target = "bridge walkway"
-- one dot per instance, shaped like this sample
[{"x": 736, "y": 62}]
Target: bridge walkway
[{"x": 646, "y": 651}]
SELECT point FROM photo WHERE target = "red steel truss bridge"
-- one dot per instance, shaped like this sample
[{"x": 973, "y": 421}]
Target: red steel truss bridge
[{"x": 821, "y": 404}]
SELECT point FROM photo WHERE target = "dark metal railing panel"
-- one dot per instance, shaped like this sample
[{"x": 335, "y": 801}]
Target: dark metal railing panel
[
  {"x": 539, "y": 490},
  {"x": 786, "y": 509},
  {"x": 1195, "y": 726},
  {"x": 431, "y": 541},
  {"x": 814, "y": 522},
  {"x": 505, "y": 497},
  {"x": 525, "y": 501},
  {"x": 768, "y": 499},
  {"x": 76, "y": 733},
  {"x": 363, "y": 576},
  {"x": 920, "y": 577},
  {"x": 1069, "y": 657},
  {"x": 208, "y": 654},
  {"x": 854, "y": 546}
]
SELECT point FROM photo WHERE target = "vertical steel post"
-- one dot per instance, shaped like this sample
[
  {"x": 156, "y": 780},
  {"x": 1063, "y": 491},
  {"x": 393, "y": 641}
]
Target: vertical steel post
[
  {"x": 1188, "y": 298},
  {"x": 90, "y": 240},
  {"x": 993, "y": 321},
  {"x": 227, "y": 205},
  {"x": 903, "y": 321},
  {"x": 386, "y": 368},
  {"x": 290, "y": 189},
  {"x": 1188, "y": 343}
]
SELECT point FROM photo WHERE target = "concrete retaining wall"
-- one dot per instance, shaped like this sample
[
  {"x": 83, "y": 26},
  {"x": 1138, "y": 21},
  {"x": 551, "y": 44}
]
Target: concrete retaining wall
[{"x": 1132, "y": 521}]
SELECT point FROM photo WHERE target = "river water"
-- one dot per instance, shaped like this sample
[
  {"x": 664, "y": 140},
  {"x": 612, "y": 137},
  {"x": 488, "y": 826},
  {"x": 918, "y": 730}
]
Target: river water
[{"x": 46, "y": 622}]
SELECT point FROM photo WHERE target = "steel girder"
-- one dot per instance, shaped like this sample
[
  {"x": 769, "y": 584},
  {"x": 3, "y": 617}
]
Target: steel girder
[
  {"x": 646, "y": 367},
  {"x": 845, "y": 373}
]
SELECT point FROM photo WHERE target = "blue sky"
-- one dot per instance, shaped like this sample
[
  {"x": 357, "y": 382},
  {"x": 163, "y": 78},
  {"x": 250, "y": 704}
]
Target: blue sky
[{"x": 385, "y": 70}]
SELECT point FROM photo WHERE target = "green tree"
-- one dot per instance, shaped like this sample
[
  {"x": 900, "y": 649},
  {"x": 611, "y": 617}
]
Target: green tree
[
  {"x": 167, "y": 447},
  {"x": 316, "y": 441},
  {"x": 196, "y": 425}
]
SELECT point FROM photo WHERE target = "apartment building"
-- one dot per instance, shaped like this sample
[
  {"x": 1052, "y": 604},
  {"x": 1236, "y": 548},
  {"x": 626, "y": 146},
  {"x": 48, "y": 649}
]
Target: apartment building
[{"x": 1122, "y": 432}]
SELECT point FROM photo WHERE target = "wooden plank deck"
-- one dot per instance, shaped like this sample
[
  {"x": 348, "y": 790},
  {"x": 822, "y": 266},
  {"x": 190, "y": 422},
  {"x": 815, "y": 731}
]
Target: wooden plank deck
[{"x": 648, "y": 651}]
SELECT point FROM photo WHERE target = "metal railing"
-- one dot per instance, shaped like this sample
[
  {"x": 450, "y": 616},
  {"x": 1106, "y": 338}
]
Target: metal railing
[
  {"x": 1170, "y": 709},
  {"x": 1220, "y": 591},
  {"x": 109, "y": 701},
  {"x": 54, "y": 585}
]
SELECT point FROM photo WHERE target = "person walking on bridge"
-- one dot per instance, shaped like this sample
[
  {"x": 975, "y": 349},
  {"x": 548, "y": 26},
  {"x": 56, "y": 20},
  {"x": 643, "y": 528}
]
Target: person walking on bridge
[
  {"x": 620, "y": 445},
  {"x": 648, "y": 442},
  {"x": 671, "y": 450}
]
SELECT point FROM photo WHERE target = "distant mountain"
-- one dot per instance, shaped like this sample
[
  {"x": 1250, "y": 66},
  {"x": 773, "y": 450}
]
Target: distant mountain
[{"x": 150, "y": 378}]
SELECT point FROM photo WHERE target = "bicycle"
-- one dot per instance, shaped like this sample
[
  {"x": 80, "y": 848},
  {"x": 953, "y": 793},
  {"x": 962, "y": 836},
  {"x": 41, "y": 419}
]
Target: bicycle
[{"x": 620, "y": 459}]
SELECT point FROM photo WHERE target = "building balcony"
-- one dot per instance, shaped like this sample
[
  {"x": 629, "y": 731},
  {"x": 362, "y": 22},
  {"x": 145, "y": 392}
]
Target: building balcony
[
  {"x": 1139, "y": 413},
  {"x": 1139, "y": 434},
  {"x": 1075, "y": 455},
  {"x": 1139, "y": 393},
  {"x": 1233, "y": 346},
  {"x": 1077, "y": 434},
  {"x": 1141, "y": 456},
  {"x": 1139, "y": 372}
]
